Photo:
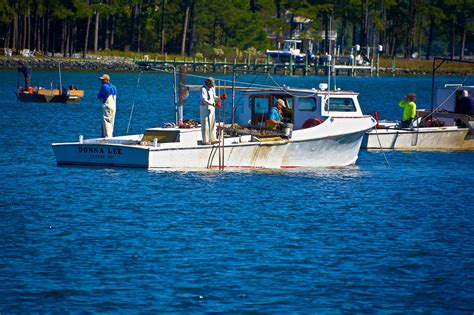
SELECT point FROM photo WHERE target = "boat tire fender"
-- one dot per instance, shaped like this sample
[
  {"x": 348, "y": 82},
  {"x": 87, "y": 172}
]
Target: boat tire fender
[{"x": 311, "y": 122}]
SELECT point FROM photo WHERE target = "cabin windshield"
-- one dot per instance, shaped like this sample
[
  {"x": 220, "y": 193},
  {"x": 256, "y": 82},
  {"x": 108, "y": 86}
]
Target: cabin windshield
[
  {"x": 340, "y": 104},
  {"x": 307, "y": 104},
  {"x": 292, "y": 46}
]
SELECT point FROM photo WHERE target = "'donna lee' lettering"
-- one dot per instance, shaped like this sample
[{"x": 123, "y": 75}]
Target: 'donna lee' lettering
[
  {"x": 98, "y": 150},
  {"x": 115, "y": 150},
  {"x": 91, "y": 150}
]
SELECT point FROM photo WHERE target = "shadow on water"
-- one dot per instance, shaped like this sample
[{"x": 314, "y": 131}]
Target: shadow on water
[{"x": 351, "y": 171}]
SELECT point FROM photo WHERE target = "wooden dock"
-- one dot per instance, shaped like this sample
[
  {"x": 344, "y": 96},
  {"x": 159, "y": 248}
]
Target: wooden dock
[{"x": 290, "y": 68}]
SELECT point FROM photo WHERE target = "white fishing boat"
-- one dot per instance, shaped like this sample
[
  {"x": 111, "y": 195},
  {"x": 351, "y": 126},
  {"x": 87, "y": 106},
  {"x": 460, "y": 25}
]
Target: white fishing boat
[
  {"x": 324, "y": 129},
  {"x": 292, "y": 50},
  {"x": 430, "y": 138},
  {"x": 442, "y": 127},
  {"x": 439, "y": 129}
]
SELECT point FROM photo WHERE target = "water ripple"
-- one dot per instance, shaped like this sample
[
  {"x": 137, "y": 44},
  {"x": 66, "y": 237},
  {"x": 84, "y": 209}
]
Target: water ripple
[{"x": 367, "y": 238}]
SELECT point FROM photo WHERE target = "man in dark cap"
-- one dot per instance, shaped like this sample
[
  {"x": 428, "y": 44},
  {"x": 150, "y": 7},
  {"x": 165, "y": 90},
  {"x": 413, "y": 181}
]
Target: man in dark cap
[{"x": 24, "y": 68}]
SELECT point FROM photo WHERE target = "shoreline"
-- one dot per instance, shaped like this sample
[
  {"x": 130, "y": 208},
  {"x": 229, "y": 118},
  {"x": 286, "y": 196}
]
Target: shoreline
[
  {"x": 102, "y": 65},
  {"x": 121, "y": 64}
]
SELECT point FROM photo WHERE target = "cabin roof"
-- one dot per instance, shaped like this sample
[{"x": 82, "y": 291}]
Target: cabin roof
[
  {"x": 254, "y": 90},
  {"x": 299, "y": 91}
]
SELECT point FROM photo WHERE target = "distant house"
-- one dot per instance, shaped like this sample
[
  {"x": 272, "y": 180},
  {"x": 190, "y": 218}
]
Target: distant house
[{"x": 299, "y": 29}]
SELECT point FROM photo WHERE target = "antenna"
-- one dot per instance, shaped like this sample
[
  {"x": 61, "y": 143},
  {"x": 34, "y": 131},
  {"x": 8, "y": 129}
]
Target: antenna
[
  {"x": 60, "y": 80},
  {"x": 329, "y": 63},
  {"x": 329, "y": 72},
  {"x": 175, "y": 97},
  {"x": 329, "y": 54}
]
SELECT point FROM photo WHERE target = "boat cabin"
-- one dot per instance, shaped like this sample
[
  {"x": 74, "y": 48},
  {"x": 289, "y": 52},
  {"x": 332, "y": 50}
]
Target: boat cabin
[
  {"x": 447, "y": 97},
  {"x": 447, "y": 111},
  {"x": 292, "y": 45},
  {"x": 302, "y": 106}
]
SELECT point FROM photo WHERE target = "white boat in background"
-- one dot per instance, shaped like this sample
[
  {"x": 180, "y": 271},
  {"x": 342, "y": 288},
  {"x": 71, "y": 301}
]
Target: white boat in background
[
  {"x": 441, "y": 129},
  {"x": 292, "y": 50},
  {"x": 438, "y": 128},
  {"x": 324, "y": 129}
]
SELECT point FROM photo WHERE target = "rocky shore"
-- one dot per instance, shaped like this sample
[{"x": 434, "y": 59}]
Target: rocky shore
[
  {"x": 100, "y": 65},
  {"x": 123, "y": 64}
]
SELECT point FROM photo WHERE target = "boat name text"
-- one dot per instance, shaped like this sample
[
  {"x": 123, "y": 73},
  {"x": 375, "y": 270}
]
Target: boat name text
[{"x": 97, "y": 150}]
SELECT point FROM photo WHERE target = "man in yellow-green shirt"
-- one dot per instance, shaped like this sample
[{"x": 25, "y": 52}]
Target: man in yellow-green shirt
[{"x": 409, "y": 110}]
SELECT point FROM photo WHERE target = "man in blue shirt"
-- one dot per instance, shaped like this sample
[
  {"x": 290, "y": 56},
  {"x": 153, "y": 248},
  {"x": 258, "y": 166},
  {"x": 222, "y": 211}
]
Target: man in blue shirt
[
  {"x": 26, "y": 70},
  {"x": 108, "y": 97},
  {"x": 466, "y": 104},
  {"x": 275, "y": 117}
]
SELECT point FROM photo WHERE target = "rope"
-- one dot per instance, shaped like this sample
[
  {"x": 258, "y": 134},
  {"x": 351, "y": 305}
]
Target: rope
[
  {"x": 133, "y": 104},
  {"x": 380, "y": 146},
  {"x": 162, "y": 88},
  {"x": 248, "y": 88},
  {"x": 230, "y": 81},
  {"x": 286, "y": 91},
  {"x": 447, "y": 98}
]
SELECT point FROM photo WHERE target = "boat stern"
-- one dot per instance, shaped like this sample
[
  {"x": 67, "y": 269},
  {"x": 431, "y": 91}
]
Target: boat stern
[{"x": 101, "y": 154}]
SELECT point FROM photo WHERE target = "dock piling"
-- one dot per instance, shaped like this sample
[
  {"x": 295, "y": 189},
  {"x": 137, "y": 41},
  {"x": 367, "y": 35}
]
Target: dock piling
[{"x": 289, "y": 68}]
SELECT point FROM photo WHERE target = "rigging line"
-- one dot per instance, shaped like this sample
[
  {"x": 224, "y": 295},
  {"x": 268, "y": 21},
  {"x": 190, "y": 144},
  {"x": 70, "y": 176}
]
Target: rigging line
[
  {"x": 446, "y": 99},
  {"x": 166, "y": 92},
  {"x": 161, "y": 70},
  {"x": 380, "y": 145},
  {"x": 286, "y": 91},
  {"x": 244, "y": 90},
  {"x": 212, "y": 155},
  {"x": 230, "y": 81},
  {"x": 161, "y": 87},
  {"x": 133, "y": 104},
  {"x": 168, "y": 71}
]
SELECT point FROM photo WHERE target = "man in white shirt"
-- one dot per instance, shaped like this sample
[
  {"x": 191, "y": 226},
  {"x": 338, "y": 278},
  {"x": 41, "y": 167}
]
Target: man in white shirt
[{"x": 208, "y": 112}]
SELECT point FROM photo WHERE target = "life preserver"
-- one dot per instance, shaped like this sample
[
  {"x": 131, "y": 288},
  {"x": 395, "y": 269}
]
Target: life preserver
[{"x": 311, "y": 122}]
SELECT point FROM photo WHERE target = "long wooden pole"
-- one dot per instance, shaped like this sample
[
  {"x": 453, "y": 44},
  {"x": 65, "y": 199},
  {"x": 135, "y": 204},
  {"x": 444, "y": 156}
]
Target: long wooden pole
[
  {"x": 223, "y": 124},
  {"x": 233, "y": 98},
  {"x": 60, "y": 81},
  {"x": 219, "y": 127}
]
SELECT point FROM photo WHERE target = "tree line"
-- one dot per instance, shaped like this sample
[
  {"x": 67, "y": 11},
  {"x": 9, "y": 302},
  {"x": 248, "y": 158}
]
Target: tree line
[{"x": 414, "y": 28}]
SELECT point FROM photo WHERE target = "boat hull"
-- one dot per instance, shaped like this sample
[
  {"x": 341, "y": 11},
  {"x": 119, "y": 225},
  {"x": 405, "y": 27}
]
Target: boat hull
[
  {"x": 334, "y": 151},
  {"x": 101, "y": 154},
  {"x": 328, "y": 152},
  {"x": 278, "y": 56},
  {"x": 428, "y": 138},
  {"x": 49, "y": 98}
]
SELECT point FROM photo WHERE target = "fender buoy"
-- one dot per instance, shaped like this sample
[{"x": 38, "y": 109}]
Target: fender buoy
[
  {"x": 376, "y": 116},
  {"x": 311, "y": 122}
]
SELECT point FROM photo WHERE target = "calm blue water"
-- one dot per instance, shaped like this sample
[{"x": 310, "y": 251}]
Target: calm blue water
[{"x": 368, "y": 238}]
